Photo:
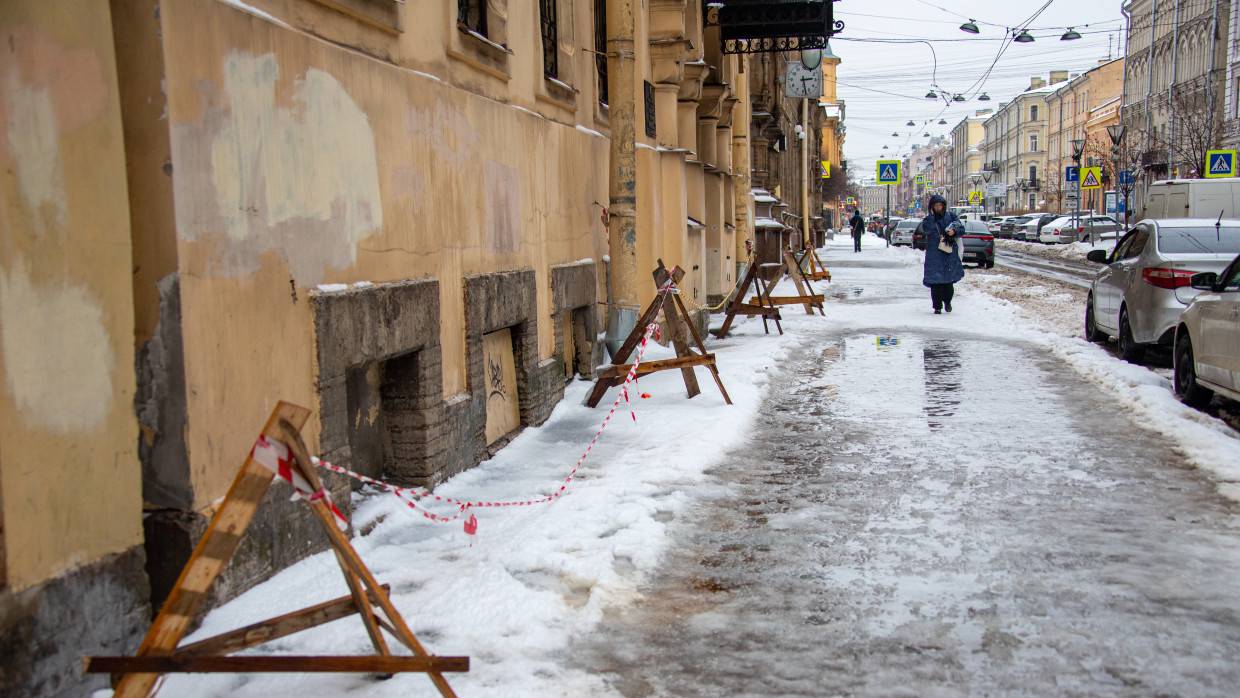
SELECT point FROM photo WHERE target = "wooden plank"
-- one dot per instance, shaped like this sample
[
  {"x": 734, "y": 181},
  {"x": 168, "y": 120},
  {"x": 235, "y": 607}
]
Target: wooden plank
[
  {"x": 749, "y": 310},
  {"x": 647, "y": 367},
  {"x": 500, "y": 385},
  {"x": 198, "y": 664},
  {"x": 190, "y": 591},
  {"x": 273, "y": 628},
  {"x": 792, "y": 300},
  {"x": 798, "y": 280}
]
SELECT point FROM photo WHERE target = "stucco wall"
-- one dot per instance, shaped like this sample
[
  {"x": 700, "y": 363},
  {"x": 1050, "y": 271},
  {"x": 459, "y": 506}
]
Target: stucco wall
[
  {"x": 297, "y": 163},
  {"x": 69, "y": 470}
]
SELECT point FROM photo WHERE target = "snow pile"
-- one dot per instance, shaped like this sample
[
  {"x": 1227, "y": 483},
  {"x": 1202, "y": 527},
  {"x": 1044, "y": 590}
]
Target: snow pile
[
  {"x": 1071, "y": 252},
  {"x": 514, "y": 596}
]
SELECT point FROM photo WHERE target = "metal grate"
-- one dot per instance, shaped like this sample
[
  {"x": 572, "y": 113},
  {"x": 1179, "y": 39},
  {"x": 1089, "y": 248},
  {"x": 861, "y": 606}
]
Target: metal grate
[
  {"x": 550, "y": 37},
  {"x": 600, "y": 47},
  {"x": 472, "y": 15}
]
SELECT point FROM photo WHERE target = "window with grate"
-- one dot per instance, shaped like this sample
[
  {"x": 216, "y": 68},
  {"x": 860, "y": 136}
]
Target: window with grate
[
  {"x": 550, "y": 37},
  {"x": 600, "y": 47},
  {"x": 472, "y": 15}
]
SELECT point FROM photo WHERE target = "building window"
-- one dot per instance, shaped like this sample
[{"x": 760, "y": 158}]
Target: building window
[
  {"x": 1033, "y": 173},
  {"x": 550, "y": 37},
  {"x": 1033, "y": 142},
  {"x": 471, "y": 15},
  {"x": 1236, "y": 92},
  {"x": 600, "y": 48},
  {"x": 1033, "y": 201},
  {"x": 1033, "y": 113}
]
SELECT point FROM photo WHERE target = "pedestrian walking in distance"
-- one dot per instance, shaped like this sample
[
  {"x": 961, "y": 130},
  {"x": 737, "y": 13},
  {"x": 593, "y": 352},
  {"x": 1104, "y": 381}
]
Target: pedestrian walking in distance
[
  {"x": 943, "y": 267},
  {"x": 858, "y": 228}
]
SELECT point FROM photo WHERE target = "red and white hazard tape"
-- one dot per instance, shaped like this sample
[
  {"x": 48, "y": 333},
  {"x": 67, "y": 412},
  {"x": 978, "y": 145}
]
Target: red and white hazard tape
[
  {"x": 414, "y": 497},
  {"x": 275, "y": 455}
]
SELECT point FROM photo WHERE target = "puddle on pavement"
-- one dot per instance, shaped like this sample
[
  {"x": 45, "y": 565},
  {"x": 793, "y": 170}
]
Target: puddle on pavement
[{"x": 940, "y": 364}]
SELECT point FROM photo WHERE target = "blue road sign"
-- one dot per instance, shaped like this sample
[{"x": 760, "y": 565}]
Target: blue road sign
[
  {"x": 1071, "y": 173},
  {"x": 1220, "y": 163},
  {"x": 1125, "y": 177}
]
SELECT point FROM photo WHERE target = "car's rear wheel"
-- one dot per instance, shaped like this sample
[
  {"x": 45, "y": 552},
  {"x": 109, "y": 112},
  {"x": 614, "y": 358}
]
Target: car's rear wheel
[
  {"x": 1092, "y": 333},
  {"x": 1185, "y": 378},
  {"x": 1129, "y": 350}
]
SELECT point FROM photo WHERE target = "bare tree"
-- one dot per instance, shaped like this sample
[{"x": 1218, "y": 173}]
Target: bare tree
[{"x": 1194, "y": 132}]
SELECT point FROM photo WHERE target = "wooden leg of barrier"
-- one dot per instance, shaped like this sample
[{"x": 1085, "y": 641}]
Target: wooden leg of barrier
[
  {"x": 350, "y": 558},
  {"x": 697, "y": 338},
  {"x": 213, "y": 551}
]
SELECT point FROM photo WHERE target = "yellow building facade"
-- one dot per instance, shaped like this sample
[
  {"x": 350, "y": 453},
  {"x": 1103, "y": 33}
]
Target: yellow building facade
[{"x": 214, "y": 205}]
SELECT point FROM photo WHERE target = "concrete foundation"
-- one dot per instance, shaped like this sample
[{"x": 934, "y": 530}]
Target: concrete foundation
[{"x": 97, "y": 609}]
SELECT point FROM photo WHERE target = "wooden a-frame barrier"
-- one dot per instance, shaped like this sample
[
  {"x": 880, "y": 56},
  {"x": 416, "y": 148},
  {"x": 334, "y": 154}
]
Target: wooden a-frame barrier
[
  {"x": 811, "y": 266},
  {"x": 762, "y": 306},
  {"x": 805, "y": 292},
  {"x": 137, "y": 676},
  {"x": 678, "y": 322}
]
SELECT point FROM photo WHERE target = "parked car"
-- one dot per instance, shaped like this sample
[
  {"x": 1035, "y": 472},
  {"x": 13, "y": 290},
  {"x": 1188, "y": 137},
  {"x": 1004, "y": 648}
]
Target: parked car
[
  {"x": 1140, "y": 293},
  {"x": 903, "y": 234},
  {"x": 919, "y": 238},
  {"x": 979, "y": 244},
  {"x": 1206, "y": 359},
  {"x": 995, "y": 223},
  {"x": 1192, "y": 198},
  {"x": 1008, "y": 229},
  {"x": 1030, "y": 229},
  {"x": 1062, "y": 230}
]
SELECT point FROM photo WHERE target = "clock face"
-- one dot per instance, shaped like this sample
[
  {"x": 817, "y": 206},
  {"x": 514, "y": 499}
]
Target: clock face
[{"x": 802, "y": 82}]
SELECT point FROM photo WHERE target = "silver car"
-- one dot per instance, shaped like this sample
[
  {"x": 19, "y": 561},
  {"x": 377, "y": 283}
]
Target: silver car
[
  {"x": 903, "y": 234},
  {"x": 1066, "y": 229},
  {"x": 1140, "y": 293},
  {"x": 1207, "y": 342}
]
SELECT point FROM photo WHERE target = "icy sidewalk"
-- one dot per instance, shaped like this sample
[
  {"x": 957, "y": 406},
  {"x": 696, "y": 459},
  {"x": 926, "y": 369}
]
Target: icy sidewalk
[{"x": 514, "y": 596}]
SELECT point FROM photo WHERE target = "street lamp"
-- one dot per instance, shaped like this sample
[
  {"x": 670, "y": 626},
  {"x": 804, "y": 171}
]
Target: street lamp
[
  {"x": 970, "y": 27},
  {"x": 1071, "y": 35},
  {"x": 1116, "y": 132},
  {"x": 1078, "y": 148},
  {"x": 1024, "y": 37}
]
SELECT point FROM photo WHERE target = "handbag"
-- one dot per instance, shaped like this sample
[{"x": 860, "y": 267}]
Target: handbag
[{"x": 944, "y": 246}]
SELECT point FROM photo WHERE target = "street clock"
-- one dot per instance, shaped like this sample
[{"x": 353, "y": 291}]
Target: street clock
[{"x": 800, "y": 81}]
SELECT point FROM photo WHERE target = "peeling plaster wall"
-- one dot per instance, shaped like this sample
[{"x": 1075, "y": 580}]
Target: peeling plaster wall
[
  {"x": 298, "y": 163},
  {"x": 69, "y": 470}
]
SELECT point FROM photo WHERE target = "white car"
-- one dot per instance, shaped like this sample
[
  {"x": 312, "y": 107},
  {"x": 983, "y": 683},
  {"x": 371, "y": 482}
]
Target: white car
[
  {"x": 1207, "y": 341},
  {"x": 1062, "y": 230},
  {"x": 903, "y": 234}
]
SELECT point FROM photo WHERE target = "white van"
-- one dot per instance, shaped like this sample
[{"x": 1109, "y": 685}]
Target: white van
[{"x": 1192, "y": 198}]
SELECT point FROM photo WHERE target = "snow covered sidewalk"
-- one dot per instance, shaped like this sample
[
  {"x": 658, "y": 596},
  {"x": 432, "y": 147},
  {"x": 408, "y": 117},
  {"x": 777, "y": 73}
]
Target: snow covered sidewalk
[{"x": 513, "y": 596}]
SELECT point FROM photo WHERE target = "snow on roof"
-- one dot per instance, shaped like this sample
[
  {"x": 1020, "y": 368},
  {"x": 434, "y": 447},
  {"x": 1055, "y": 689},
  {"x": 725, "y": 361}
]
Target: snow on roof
[{"x": 764, "y": 222}]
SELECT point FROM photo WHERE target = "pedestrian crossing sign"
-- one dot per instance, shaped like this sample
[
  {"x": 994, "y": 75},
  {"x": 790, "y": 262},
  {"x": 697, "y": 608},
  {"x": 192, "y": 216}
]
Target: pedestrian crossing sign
[
  {"x": 1091, "y": 177},
  {"x": 1220, "y": 163},
  {"x": 975, "y": 197},
  {"x": 888, "y": 171},
  {"x": 919, "y": 180},
  {"x": 826, "y": 169}
]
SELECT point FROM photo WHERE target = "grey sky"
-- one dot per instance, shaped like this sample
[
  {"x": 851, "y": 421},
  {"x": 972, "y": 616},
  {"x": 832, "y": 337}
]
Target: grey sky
[{"x": 906, "y": 69}]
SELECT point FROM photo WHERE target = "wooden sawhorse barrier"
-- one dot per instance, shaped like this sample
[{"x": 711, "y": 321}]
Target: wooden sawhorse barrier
[
  {"x": 811, "y": 266},
  {"x": 805, "y": 292},
  {"x": 762, "y": 306},
  {"x": 678, "y": 320},
  {"x": 137, "y": 676}
]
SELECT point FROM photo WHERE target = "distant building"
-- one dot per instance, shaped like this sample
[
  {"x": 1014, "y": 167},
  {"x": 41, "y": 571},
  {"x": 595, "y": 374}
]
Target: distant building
[
  {"x": 1177, "y": 80},
  {"x": 1015, "y": 146},
  {"x": 1081, "y": 109},
  {"x": 966, "y": 158}
]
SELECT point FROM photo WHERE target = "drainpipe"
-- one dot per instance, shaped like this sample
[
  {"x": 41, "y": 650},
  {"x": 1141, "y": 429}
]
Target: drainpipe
[
  {"x": 1175, "y": 74},
  {"x": 622, "y": 178},
  {"x": 1210, "y": 82},
  {"x": 1149, "y": 62},
  {"x": 805, "y": 141}
]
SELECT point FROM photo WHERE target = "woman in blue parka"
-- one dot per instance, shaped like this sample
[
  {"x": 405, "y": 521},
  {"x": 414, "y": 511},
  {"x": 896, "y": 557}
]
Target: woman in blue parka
[{"x": 943, "y": 266}]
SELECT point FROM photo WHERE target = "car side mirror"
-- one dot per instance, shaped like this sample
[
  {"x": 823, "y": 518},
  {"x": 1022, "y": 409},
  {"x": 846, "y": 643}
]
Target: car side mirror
[
  {"x": 1098, "y": 256},
  {"x": 1205, "y": 281}
]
